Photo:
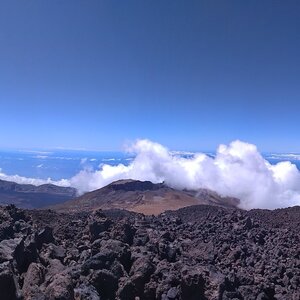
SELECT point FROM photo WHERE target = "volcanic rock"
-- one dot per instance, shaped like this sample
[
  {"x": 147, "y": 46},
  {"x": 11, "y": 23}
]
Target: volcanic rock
[{"x": 198, "y": 252}]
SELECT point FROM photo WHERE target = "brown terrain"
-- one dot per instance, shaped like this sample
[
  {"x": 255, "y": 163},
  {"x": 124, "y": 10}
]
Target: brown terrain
[{"x": 142, "y": 197}]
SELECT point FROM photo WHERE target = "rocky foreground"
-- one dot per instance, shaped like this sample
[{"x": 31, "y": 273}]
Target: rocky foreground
[{"x": 198, "y": 252}]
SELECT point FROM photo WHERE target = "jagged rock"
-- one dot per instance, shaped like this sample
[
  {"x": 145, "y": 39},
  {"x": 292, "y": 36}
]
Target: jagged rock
[
  {"x": 101, "y": 260},
  {"x": 7, "y": 283},
  {"x": 57, "y": 252},
  {"x": 119, "y": 250},
  {"x": 15, "y": 213},
  {"x": 61, "y": 287},
  {"x": 141, "y": 237},
  {"x": 30, "y": 253},
  {"x": 54, "y": 267},
  {"x": 33, "y": 280},
  {"x": 8, "y": 249},
  {"x": 86, "y": 292},
  {"x": 45, "y": 236},
  {"x": 192, "y": 284},
  {"x": 123, "y": 232},
  {"x": 126, "y": 290},
  {"x": 167, "y": 251},
  {"x": 200, "y": 252},
  {"x": 118, "y": 269},
  {"x": 140, "y": 272},
  {"x": 98, "y": 223},
  {"x": 6, "y": 230},
  {"x": 173, "y": 293},
  {"x": 105, "y": 283}
]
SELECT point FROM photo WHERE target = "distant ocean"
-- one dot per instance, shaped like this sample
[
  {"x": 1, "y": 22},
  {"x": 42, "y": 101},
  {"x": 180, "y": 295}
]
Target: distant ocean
[
  {"x": 65, "y": 164},
  {"x": 57, "y": 164}
]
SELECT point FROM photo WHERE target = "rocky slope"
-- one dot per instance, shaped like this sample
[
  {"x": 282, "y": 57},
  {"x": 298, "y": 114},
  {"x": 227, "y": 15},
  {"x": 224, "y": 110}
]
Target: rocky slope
[
  {"x": 198, "y": 252},
  {"x": 142, "y": 197},
  {"x": 31, "y": 196}
]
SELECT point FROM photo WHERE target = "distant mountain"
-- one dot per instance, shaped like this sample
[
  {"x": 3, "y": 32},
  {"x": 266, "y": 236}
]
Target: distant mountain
[
  {"x": 31, "y": 196},
  {"x": 143, "y": 197}
]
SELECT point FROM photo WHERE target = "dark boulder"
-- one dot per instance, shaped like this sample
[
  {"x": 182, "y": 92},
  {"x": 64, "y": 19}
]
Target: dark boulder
[
  {"x": 6, "y": 231},
  {"x": 7, "y": 283},
  {"x": 101, "y": 260},
  {"x": 123, "y": 232},
  {"x": 8, "y": 249},
  {"x": 60, "y": 288},
  {"x": 140, "y": 272},
  {"x": 126, "y": 290},
  {"x": 44, "y": 236},
  {"x": 105, "y": 283},
  {"x": 86, "y": 292},
  {"x": 33, "y": 280},
  {"x": 57, "y": 252},
  {"x": 192, "y": 284},
  {"x": 98, "y": 223},
  {"x": 119, "y": 250}
]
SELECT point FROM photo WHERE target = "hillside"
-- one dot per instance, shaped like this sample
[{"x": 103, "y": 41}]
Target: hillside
[
  {"x": 31, "y": 196},
  {"x": 142, "y": 197}
]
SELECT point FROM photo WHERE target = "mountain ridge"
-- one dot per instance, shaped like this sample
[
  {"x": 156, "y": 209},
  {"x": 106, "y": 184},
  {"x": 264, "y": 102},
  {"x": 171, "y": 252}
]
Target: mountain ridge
[
  {"x": 142, "y": 197},
  {"x": 31, "y": 196}
]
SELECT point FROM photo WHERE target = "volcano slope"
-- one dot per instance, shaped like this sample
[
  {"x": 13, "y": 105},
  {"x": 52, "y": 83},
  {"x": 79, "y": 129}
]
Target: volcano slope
[
  {"x": 198, "y": 252},
  {"x": 142, "y": 197}
]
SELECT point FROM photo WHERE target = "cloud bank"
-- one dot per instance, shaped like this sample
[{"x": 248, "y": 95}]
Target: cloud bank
[
  {"x": 237, "y": 170},
  {"x": 34, "y": 181}
]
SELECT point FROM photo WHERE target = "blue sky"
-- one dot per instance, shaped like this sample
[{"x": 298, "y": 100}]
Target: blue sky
[{"x": 187, "y": 74}]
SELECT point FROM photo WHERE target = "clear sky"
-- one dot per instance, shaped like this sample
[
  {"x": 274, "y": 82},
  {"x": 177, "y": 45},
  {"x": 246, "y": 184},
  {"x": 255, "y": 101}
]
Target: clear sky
[{"x": 188, "y": 74}]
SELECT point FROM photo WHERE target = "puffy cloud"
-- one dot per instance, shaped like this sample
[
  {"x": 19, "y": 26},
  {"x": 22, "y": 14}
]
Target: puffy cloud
[{"x": 237, "y": 170}]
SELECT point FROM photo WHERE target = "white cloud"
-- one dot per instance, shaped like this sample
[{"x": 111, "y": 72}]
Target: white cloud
[
  {"x": 83, "y": 161},
  {"x": 41, "y": 156},
  {"x": 34, "y": 181},
  {"x": 285, "y": 156},
  {"x": 237, "y": 170}
]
